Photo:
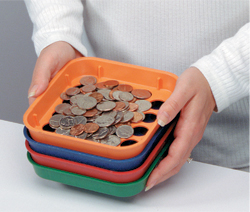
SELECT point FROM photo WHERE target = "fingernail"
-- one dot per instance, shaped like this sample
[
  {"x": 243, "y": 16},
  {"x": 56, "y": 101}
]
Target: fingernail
[
  {"x": 163, "y": 120},
  {"x": 149, "y": 187},
  {"x": 32, "y": 91}
]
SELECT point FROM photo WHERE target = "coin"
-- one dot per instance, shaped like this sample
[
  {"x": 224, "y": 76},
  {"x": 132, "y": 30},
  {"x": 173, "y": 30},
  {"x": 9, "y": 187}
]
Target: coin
[
  {"x": 82, "y": 136},
  {"x": 124, "y": 131},
  {"x": 101, "y": 133},
  {"x": 133, "y": 106},
  {"x": 116, "y": 95},
  {"x": 72, "y": 91},
  {"x": 126, "y": 96},
  {"x": 54, "y": 120},
  {"x": 67, "y": 112},
  {"x": 80, "y": 120},
  {"x": 112, "y": 113},
  {"x": 97, "y": 96},
  {"x": 91, "y": 113},
  {"x": 104, "y": 121},
  {"x": 62, "y": 131},
  {"x": 105, "y": 93},
  {"x": 143, "y": 115},
  {"x": 125, "y": 87},
  {"x": 61, "y": 107},
  {"x": 144, "y": 105},
  {"x": 141, "y": 93},
  {"x": 77, "y": 111},
  {"x": 66, "y": 122},
  {"x": 86, "y": 102},
  {"x": 91, "y": 127},
  {"x": 73, "y": 99},
  {"x": 77, "y": 129},
  {"x": 88, "y": 88},
  {"x": 88, "y": 80},
  {"x": 137, "y": 117},
  {"x": 64, "y": 96},
  {"x": 106, "y": 106},
  {"x": 111, "y": 83},
  {"x": 118, "y": 117},
  {"x": 113, "y": 140},
  {"x": 128, "y": 115},
  {"x": 112, "y": 130},
  {"x": 119, "y": 106},
  {"x": 100, "y": 85}
]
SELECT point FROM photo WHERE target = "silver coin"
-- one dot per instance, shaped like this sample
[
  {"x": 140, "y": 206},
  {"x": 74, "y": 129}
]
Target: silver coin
[
  {"x": 144, "y": 105},
  {"x": 61, "y": 107},
  {"x": 126, "y": 96},
  {"x": 105, "y": 93},
  {"x": 66, "y": 122},
  {"x": 118, "y": 117},
  {"x": 62, "y": 131},
  {"x": 112, "y": 129},
  {"x": 86, "y": 102},
  {"x": 143, "y": 115},
  {"x": 112, "y": 113},
  {"x": 54, "y": 120},
  {"x": 77, "y": 111},
  {"x": 101, "y": 133},
  {"x": 80, "y": 120},
  {"x": 116, "y": 95},
  {"x": 124, "y": 131},
  {"x": 127, "y": 116},
  {"x": 126, "y": 107},
  {"x": 106, "y": 106},
  {"x": 113, "y": 140},
  {"x": 73, "y": 99},
  {"x": 104, "y": 121},
  {"x": 82, "y": 136}
]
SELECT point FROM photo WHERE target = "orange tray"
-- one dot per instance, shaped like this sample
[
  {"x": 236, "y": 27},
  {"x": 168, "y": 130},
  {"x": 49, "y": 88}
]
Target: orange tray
[{"x": 160, "y": 83}]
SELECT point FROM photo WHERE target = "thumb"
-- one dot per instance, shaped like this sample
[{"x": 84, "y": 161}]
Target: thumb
[{"x": 173, "y": 105}]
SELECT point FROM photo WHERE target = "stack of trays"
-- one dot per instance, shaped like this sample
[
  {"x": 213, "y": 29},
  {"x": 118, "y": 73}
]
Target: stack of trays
[{"x": 119, "y": 169}]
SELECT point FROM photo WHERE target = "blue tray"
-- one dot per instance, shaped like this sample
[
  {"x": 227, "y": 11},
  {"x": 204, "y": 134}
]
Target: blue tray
[{"x": 93, "y": 160}]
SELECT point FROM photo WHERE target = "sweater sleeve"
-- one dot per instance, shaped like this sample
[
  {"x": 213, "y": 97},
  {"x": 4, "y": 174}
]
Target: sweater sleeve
[
  {"x": 227, "y": 69},
  {"x": 56, "y": 20}
]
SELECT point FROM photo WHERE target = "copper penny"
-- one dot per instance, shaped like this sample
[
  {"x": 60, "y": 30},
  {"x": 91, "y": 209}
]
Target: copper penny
[
  {"x": 98, "y": 96},
  {"x": 91, "y": 127},
  {"x": 77, "y": 129},
  {"x": 141, "y": 93},
  {"x": 72, "y": 91},
  {"x": 119, "y": 106},
  {"x": 88, "y": 80},
  {"x": 125, "y": 87},
  {"x": 88, "y": 88},
  {"x": 137, "y": 117},
  {"x": 100, "y": 85},
  {"x": 111, "y": 83},
  {"x": 133, "y": 106},
  {"x": 91, "y": 113},
  {"x": 64, "y": 96},
  {"x": 61, "y": 107}
]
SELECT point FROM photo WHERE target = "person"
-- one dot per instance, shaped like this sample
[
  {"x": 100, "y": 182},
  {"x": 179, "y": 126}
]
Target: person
[{"x": 204, "y": 42}]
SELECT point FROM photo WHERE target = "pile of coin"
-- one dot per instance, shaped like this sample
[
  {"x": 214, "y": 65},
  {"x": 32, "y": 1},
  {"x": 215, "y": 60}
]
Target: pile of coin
[{"x": 101, "y": 112}]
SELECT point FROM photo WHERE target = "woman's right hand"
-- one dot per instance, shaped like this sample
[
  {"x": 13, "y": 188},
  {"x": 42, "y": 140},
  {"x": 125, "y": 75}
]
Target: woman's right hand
[{"x": 49, "y": 62}]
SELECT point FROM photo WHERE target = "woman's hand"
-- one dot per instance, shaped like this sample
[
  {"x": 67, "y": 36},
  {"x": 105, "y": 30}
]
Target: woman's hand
[
  {"x": 193, "y": 97},
  {"x": 50, "y": 61}
]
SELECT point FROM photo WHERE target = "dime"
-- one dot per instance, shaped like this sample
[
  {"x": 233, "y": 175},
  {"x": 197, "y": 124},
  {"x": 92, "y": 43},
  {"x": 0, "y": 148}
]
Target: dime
[
  {"x": 141, "y": 93},
  {"x": 112, "y": 130},
  {"x": 124, "y": 131},
  {"x": 72, "y": 91},
  {"x": 86, "y": 102},
  {"x": 113, "y": 140},
  {"x": 88, "y": 80},
  {"x": 77, "y": 129},
  {"x": 144, "y": 105},
  {"x": 137, "y": 117},
  {"x": 88, "y": 88},
  {"x": 97, "y": 96},
  {"x": 116, "y": 95},
  {"x": 133, "y": 106},
  {"x": 111, "y": 83},
  {"x": 73, "y": 99},
  {"x": 104, "y": 121},
  {"x": 101, "y": 133},
  {"x": 118, "y": 117},
  {"x": 54, "y": 120},
  {"x": 125, "y": 87},
  {"x": 91, "y": 127},
  {"x": 112, "y": 113},
  {"x": 66, "y": 122},
  {"x": 82, "y": 136},
  {"x": 128, "y": 115},
  {"x": 80, "y": 120},
  {"x": 77, "y": 111},
  {"x": 126, "y": 96},
  {"x": 61, "y": 107},
  {"x": 62, "y": 131},
  {"x": 91, "y": 113},
  {"x": 106, "y": 106}
]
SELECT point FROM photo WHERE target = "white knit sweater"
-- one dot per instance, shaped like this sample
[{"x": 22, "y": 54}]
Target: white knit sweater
[{"x": 169, "y": 35}]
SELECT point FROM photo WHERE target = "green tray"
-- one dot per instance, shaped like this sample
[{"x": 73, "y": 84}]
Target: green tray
[{"x": 94, "y": 184}]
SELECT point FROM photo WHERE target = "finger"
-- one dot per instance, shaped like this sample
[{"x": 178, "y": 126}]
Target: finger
[{"x": 172, "y": 106}]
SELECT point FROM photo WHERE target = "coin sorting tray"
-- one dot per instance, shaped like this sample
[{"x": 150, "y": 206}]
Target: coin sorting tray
[
  {"x": 91, "y": 171},
  {"x": 95, "y": 184},
  {"x": 93, "y": 160},
  {"x": 160, "y": 83}
]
